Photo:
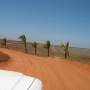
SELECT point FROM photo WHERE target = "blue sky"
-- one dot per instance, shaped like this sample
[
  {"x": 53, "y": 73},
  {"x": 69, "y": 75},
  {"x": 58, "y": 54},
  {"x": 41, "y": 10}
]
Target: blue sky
[{"x": 55, "y": 20}]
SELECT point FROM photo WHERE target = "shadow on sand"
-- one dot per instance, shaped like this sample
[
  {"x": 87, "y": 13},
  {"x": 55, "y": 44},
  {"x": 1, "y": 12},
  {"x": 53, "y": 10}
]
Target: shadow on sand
[{"x": 4, "y": 57}]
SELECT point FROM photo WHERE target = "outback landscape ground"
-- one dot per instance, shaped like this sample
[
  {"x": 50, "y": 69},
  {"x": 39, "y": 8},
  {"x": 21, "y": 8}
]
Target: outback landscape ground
[
  {"x": 48, "y": 40},
  {"x": 56, "y": 73},
  {"x": 77, "y": 54}
]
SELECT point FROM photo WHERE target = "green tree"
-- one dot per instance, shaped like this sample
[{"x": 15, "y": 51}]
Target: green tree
[
  {"x": 23, "y": 38},
  {"x": 47, "y": 46},
  {"x": 66, "y": 49},
  {"x": 34, "y": 44},
  {"x": 4, "y": 42}
]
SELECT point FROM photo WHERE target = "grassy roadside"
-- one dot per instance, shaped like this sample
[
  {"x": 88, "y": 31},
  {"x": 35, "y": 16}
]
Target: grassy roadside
[{"x": 77, "y": 54}]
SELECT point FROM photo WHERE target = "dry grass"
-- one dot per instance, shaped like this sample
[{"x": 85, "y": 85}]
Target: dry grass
[{"x": 79, "y": 54}]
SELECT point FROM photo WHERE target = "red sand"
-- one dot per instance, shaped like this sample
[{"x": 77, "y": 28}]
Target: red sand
[{"x": 55, "y": 73}]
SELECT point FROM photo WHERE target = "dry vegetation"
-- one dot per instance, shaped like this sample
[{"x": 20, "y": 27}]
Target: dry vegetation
[{"x": 79, "y": 54}]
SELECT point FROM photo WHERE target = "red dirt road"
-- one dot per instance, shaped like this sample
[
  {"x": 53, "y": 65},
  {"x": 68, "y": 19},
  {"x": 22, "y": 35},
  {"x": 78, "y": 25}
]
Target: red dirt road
[{"x": 55, "y": 73}]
